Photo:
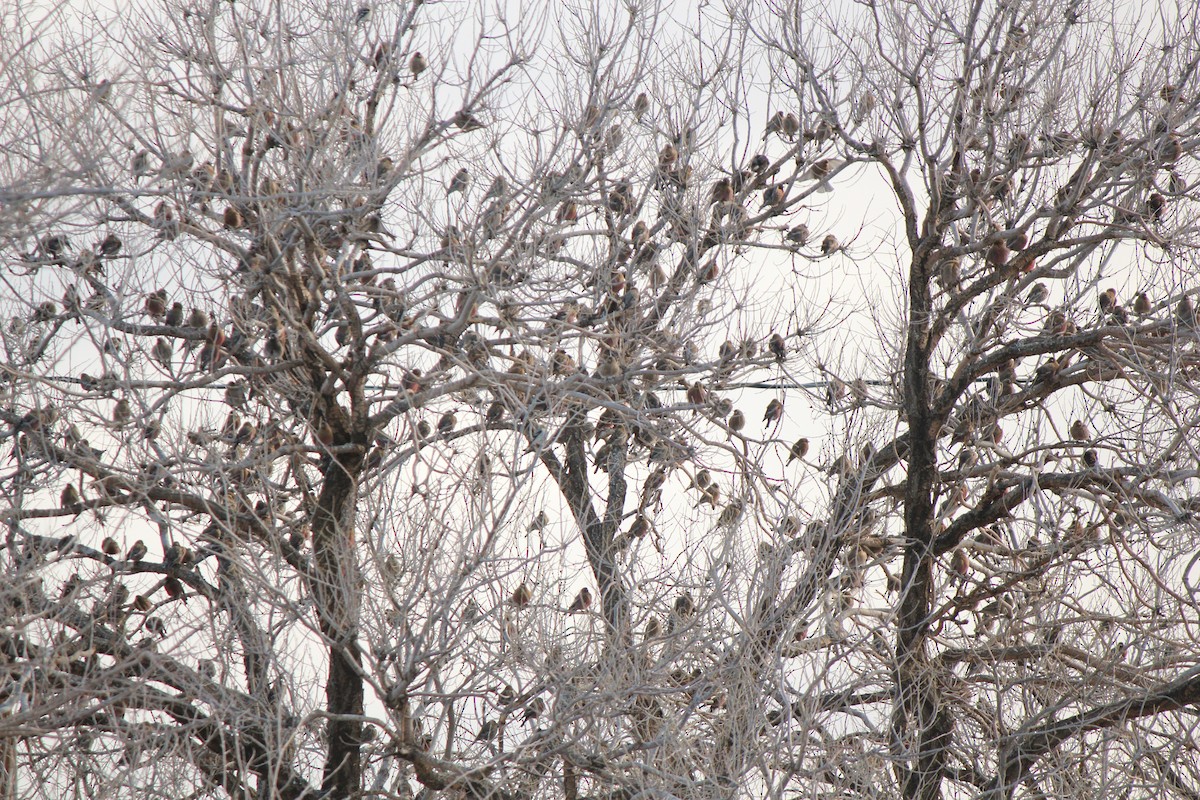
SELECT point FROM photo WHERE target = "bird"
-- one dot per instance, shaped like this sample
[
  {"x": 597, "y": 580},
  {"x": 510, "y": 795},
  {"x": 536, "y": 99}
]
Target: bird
[
  {"x": 772, "y": 197},
  {"x": 568, "y": 211},
  {"x": 774, "y": 411},
  {"x": 488, "y": 731},
  {"x": 790, "y": 125},
  {"x": 1079, "y": 431},
  {"x": 197, "y": 318},
  {"x": 163, "y": 351},
  {"x": 156, "y": 304},
  {"x": 498, "y": 188},
  {"x": 1107, "y": 300},
  {"x": 639, "y": 234},
  {"x": 231, "y": 218},
  {"x": 459, "y": 182},
  {"x": 1141, "y": 305},
  {"x": 122, "y": 412},
  {"x": 521, "y": 596},
  {"x": 997, "y": 254},
  {"x": 582, "y": 601},
  {"x": 760, "y": 163},
  {"x": 536, "y": 707},
  {"x": 737, "y": 421},
  {"x": 798, "y": 450},
  {"x": 829, "y": 245},
  {"x": 641, "y": 105},
  {"x": 697, "y": 394},
  {"x": 446, "y": 423},
  {"x": 245, "y": 433},
  {"x": 798, "y": 235},
  {"x": 539, "y": 522},
  {"x": 774, "y": 124},
  {"x": 110, "y": 546},
  {"x": 1038, "y": 294},
  {"x": 110, "y": 245},
  {"x": 685, "y": 606},
  {"x": 610, "y": 367},
  {"x": 174, "y": 316},
  {"x": 702, "y": 480},
  {"x": 653, "y": 629},
  {"x": 137, "y": 552},
  {"x": 1090, "y": 457},
  {"x": 722, "y": 191},
  {"x": 667, "y": 157},
  {"x": 1156, "y": 204},
  {"x": 70, "y": 499},
  {"x": 1184, "y": 312},
  {"x": 417, "y": 64},
  {"x": 778, "y": 347}
]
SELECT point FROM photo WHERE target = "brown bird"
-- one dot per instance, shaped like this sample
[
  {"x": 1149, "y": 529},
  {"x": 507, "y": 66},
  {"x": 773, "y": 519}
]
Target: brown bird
[
  {"x": 685, "y": 606},
  {"x": 70, "y": 499},
  {"x": 137, "y": 552},
  {"x": 417, "y": 64},
  {"x": 110, "y": 245},
  {"x": 798, "y": 235},
  {"x": 997, "y": 254},
  {"x": 610, "y": 367},
  {"x": 1184, "y": 312},
  {"x": 772, "y": 197},
  {"x": 791, "y": 125},
  {"x": 774, "y": 124},
  {"x": 1156, "y": 204},
  {"x": 1038, "y": 294},
  {"x": 142, "y": 603},
  {"x": 774, "y": 411},
  {"x": 829, "y": 245},
  {"x": 156, "y": 304},
  {"x": 760, "y": 163},
  {"x": 737, "y": 421},
  {"x": 1107, "y": 300},
  {"x": 653, "y": 629},
  {"x": 568, "y": 211},
  {"x": 446, "y": 423},
  {"x": 231, "y": 218},
  {"x": 798, "y": 450},
  {"x": 722, "y": 191},
  {"x": 641, "y": 105},
  {"x": 702, "y": 480},
  {"x": 667, "y": 157},
  {"x": 1141, "y": 305},
  {"x": 581, "y": 602},
  {"x": 1090, "y": 457},
  {"x": 197, "y": 318},
  {"x": 521, "y": 596},
  {"x": 1018, "y": 241},
  {"x": 1079, "y": 431},
  {"x": 459, "y": 182},
  {"x": 639, "y": 234},
  {"x": 960, "y": 563},
  {"x": 174, "y": 316},
  {"x": 245, "y": 433},
  {"x": 697, "y": 394},
  {"x": 110, "y": 546},
  {"x": 778, "y": 347},
  {"x": 488, "y": 731},
  {"x": 122, "y": 412},
  {"x": 163, "y": 351}
]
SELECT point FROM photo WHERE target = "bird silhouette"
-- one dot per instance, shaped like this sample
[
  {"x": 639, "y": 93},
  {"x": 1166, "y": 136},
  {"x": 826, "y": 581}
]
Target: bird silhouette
[
  {"x": 774, "y": 411},
  {"x": 582, "y": 601}
]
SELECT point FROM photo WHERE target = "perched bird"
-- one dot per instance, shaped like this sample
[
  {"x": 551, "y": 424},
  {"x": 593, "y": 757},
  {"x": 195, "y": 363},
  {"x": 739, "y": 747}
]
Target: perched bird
[
  {"x": 798, "y": 235},
  {"x": 70, "y": 499},
  {"x": 521, "y": 596},
  {"x": 122, "y": 412},
  {"x": 156, "y": 304},
  {"x": 231, "y": 218},
  {"x": 641, "y": 105},
  {"x": 997, "y": 254},
  {"x": 417, "y": 64},
  {"x": 772, "y": 197},
  {"x": 639, "y": 234},
  {"x": 829, "y": 245},
  {"x": 163, "y": 351},
  {"x": 536, "y": 707},
  {"x": 960, "y": 563},
  {"x": 1038, "y": 294},
  {"x": 737, "y": 421},
  {"x": 137, "y": 552},
  {"x": 722, "y": 191},
  {"x": 778, "y": 347},
  {"x": 685, "y": 606},
  {"x": 498, "y": 188},
  {"x": 539, "y": 522},
  {"x": 774, "y": 411},
  {"x": 1079, "y": 431},
  {"x": 245, "y": 433},
  {"x": 459, "y": 182},
  {"x": 174, "y": 316},
  {"x": 702, "y": 480},
  {"x": 798, "y": 450},
  {"x": 197, "y": 318},
  {"x": 697, "y": 394},
  {"x": 488, "y": 731},
  {"x": 582, "y": 601},
  {"x": 446, "y": 423},
  {"x": 653, "y": 629},
  {"x": 110, "y": 245},
  {"x": 774, "y": 124},
  {"x": 1090, "y": 457},
  {"x": 790, "y": 125},
  {"x": 1141, "y": 305},
  {"x": 610, "y": 367},
  {"x": 760, "y": 163},
  {"x": 110, "y": 546},
  {"x": 1107, "y": 300},
  {"x": 1156, "y": 204},
  {"x": 667, "y": 157},
  {"x": 1184, "y": 312},
  {"x": 568, "y": 211}
]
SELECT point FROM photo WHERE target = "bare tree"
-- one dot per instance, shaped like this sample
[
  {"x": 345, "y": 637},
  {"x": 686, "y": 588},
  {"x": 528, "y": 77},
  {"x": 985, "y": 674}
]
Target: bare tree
[{"x": 401, "y": 406}]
